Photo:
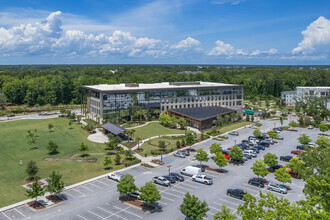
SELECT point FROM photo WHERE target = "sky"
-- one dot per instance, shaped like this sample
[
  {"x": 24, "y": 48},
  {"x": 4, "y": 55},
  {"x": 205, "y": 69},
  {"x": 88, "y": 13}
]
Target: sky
[{"x": 254, "y": 32}]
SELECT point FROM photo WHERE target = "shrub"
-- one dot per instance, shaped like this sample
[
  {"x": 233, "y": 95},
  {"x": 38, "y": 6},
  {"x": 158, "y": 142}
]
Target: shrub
[{"x": 130, "y": 163}]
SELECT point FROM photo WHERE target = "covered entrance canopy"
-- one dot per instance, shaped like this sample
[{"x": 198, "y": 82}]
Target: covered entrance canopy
[
  {"x": 113, "y": 129},
  {"x": 200, "y": 117}
]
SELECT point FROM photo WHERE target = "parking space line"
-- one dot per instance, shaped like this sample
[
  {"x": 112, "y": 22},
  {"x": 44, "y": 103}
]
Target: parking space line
[
  {"x": 163, "y": 197},
  {"x": 211, "y": 207},
  {"x": 19, "y": 212},
  {"x": 213, "y": 176},
  {"x": 235, "y": 204},
  {"x": 67, "y": 193},
  {"x": 78, "y": 192},
  {"x": 7, "y": 216},
  {"x": 248, "y": 189},
  {"x": 87, "y": 188},
  {"x": 126, "y": 210},
  {"x": 95, "y": 214},
  {"x": 172, "y": 195},
  {"x": 183, "y": 188},
  {"x": 95, "y": 186},
  {"x": 188, "y": 184},
  {"x": 177, "y": 191},
  {"x": 82, "y": 217},
  {"x": 99, "y": 181},
  {"x": 162, "y": 202}
]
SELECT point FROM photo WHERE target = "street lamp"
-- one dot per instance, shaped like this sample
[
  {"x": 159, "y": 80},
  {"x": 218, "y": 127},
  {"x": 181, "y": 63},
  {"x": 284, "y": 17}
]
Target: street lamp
[
  {"x": 235, "y": 142},
  {"x": 169, "y": 169}
]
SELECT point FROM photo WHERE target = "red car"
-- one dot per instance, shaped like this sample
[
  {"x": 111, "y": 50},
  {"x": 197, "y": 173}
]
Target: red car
[
  {"x": 296, "y": 152},
  {"x": 226, "y": 156}
]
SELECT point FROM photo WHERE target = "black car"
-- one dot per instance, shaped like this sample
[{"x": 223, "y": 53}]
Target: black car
[
  {"x": 11, "y": 115},
  {"x": 201, "y": 166},
  {"x": 170, "y": 178},
  {"x": 256, "y": 149},
  {"x": 242, "y": 161},
  {"x": 186, "y": 152},
  {"x": 134, "y": 195},
  {"x": 286, "y": 158},
  {"x": 249, "y": 143},
  {"x": 177, "y": 176},
  {"x": 237, "y": 193},
  {"x": 273, "y": 168},
  {"x": 225, "y": 152},
  {"x": 264, "y": 144},
  {"x": 302, "y": 147},
  {"x": 248, "y": 156},
  {"x": 256, "y": 182}
]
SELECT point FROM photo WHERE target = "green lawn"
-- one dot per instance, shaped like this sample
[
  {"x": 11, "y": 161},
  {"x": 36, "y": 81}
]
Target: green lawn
[
  {"x": 148, "y": 147},
  {"x": 234, "y": 126},
  {"x": 14, "y": 147},
  {"x": 154, "y": 129}
]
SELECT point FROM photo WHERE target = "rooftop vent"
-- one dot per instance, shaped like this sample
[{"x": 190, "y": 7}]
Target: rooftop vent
[
  {"x": 131, "y": 85},
  {"x": 184, "y": 83}
]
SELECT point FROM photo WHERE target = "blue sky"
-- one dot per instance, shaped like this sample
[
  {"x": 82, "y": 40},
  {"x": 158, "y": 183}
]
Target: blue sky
[{"x": 165, "y": 31}]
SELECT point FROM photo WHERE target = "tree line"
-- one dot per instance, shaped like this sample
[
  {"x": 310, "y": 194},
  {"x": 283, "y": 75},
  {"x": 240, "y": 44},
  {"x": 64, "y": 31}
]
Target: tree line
[{"x": 40, "y": 85}]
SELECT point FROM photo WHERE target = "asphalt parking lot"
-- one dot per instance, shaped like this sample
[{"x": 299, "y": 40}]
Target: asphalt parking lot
[{"x": 98, "y": 199}]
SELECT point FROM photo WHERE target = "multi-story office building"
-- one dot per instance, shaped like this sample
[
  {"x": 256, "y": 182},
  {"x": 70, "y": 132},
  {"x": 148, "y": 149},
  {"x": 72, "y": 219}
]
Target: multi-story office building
[
  {"x": 107, "y": 101},
  {"x": 304, "y": 93}
]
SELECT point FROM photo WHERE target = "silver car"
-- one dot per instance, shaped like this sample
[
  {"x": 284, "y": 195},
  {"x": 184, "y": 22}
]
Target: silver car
[
  {"x": 277, "y": 188},
  {"x": 180, "y": 154}
]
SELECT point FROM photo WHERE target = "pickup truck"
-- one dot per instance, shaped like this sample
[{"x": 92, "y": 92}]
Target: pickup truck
[
  {"x": 202, "y": 179},
  {"x": 161, "y": 181}
]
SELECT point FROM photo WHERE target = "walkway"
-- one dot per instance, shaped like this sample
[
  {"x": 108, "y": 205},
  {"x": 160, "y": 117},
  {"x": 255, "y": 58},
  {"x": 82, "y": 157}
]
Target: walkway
[
  {"x": 138, "y": 126},
  {"x": 98, "y": 137}
]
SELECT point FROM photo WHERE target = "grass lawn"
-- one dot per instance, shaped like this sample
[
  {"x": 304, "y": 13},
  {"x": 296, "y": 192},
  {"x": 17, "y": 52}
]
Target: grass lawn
[
  {"x": 154, "y": 129},
  {"x": 148, "y": 147},
  {"x": 235, "y": 126},
  {"x": 14, "y": 147}
]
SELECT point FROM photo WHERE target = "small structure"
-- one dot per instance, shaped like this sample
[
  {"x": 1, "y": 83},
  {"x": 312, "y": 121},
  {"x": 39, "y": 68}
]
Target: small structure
[
  {"x": 113, "y": 129},
  {"x": 201, "y": 117}
]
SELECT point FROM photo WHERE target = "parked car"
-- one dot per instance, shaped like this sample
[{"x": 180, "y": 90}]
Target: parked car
[
  {"x": 134, "y": 195},
  {"x": 278, "y": 129},
  {"x": 11, "y": 115},
  {"x": 202, "y": 179},
  {"x": 253, "y": 139},
  {"x": 226, "y": 156},
  {"x": 265, "y": 136},
  {"x": 242, "y": 146},
  {"x": 277, "y": 188},
  {"x": 296, "y": 152},
  {"x": 200, "y": 166},
  {"x": 237, "y": 161},
  {"x": 259, "y": 147},
  {"x": 303, "y": 147},
  {"x": 179, "y": 154},
  {"x": 235, "y": 133},
  {"x": 268, "y": 141},
  {"x": 264, "y": 144},
  {"x": 170, "y": 178},
  {"x": 237, "y": 193},
  {"x": 191, "y": 170},
  {"x": 249, "y": 156},
  {"x": 247, "y": 142},
  {"x": 161, "y": 181},
  {"x": 186, "y": 152},
  {"x": 310, "y": 127},
  {"x": 177, "y": 177},
  {"x": 273, "y": 168},
  {"x": 286, "y": 158},
  {"x": 225, "y": 152},
  {"x": 252, "y": 126},
  {"x": 279, "y": 137},
  {"x": 42, "y": 113},
  {"x": 250, "y": 152},
  {"x": 117, "y": 176},
  {"x": 255, "y": 150},
  {"x": 256, "y": 182}
]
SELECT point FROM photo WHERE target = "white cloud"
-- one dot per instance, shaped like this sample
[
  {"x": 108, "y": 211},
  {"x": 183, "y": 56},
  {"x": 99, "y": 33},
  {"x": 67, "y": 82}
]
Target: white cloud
[
  {"x": 271, "y": 51},
  {"x": 222, "y": 48},
  {"x": 316, "y": 37},
  {"x": 186, "y": 44}
]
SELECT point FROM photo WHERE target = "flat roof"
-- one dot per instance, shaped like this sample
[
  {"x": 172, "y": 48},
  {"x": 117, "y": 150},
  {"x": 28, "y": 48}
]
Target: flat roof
[
  {"x": 202, "y": 113},
  {"x": 113, "y": 128},
  {"x": 156, "y": 86}
]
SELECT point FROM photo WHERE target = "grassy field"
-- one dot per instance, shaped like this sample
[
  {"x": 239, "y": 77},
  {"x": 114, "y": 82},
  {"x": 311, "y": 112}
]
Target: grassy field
[
  {"x": 150, "y": 145},
  {"x": 154, "y": 129},
  {"x": 235, "y": 126},
  {"x": 14, "y": 147}
]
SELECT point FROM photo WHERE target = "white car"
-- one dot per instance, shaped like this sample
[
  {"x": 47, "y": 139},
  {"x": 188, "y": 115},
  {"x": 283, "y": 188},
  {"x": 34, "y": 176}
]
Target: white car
[
  {"x": 252, "y": 126},
  {"x": 202, "y": 179},
  {"x": 117, "y": 176},
  {"x": 310, "y": 127}
]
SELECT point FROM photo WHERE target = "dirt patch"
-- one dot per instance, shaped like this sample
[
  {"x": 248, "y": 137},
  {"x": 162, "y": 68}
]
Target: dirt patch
[
  {"x": 137, "y": 204},
  {"x": 87, "y": 160},
  {"x": 55, "y": 199},
  {"x": 156, "y": 161},
  {"x": 35, "y": 205},
  {"x": 131, "y": 145},
  {"x": 216, "y": 170},
  {"x": 29, "y": 179},
  {"x": 147, "y": 165}
]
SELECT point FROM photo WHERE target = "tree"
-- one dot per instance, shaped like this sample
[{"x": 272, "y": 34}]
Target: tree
[
  {"x": 247, "y": 118},
  {"x": 193, "y": 208},
  {"x": 224, "y": 214},
  {"x": 259, "y": 168},
  {"x": 282, "y": 175},
  {"x": 129, "y": 154},
  {"x": 281, "y": 120},
  {"x": 220, "y": 160},
  {"x": 270, "y": 159},
  {"x": 3, "y": 101},
  {"x": 32, "y": 137},
  {"x": 323, "y": 127},
  {"x": 236, "y": 153},
  {"x": 52, "y": 147},
  {"x": 138, "y": 139},
  {"x": 126, "y": 185},
  {"x": 178, "y": 144},
  {"x": 55, "y": 183},
  {"x": 215, "y": 148},
  {"x": 190, "y": 140},
  {"x": 182, "y": 123},
  {"x": 293, "y": 124},
  {"x": 107, "y": 162},
  {"x": 183, "y": 143},
  {"x": 162, "y": 145},
  {"x": 50, "y": 127},
  {"x": 70, "y": 124},
  {"x": 252, "y": 118},
  {"x": 201, "y": 156},
  {"x": 318, "y": 119},
  {"x": 150, "y": 193},
  {"x": 257, "y": 133},
  {"x": 83, "y": 147},
  {"x": 35, "y": 191},
  {"x": 301, "y": 121},
  {"x": 31, "y": 169},
  {"x": 296, "y": 166},
  {"x": 323, "y": 141},
  {"x": 79, "y": 118},
  {"x": 304, "y": 139},
  {"x": 272, "y": 134},
  {"x": 117, "y": 159}
]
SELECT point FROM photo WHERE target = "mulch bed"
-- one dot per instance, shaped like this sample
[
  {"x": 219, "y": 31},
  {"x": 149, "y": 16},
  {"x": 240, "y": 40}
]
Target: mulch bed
[
  {"x": 216, "y": 170},
  {"x": 29, "y": 179},
  {"x": 88, "y": 160},
  {"x": 55, "y": 199},
  {"x": 294, "y": 130},
  {"x": 157, "y": 162},
  {"x": 131, "y": 145},
  {"x": 147, "y": 165},
  {"x": 138, "y": 150},
  {"x": 328, "y": 135},
  {"x": 137, "y": 203},
  {"x": 35, "y": 206}
]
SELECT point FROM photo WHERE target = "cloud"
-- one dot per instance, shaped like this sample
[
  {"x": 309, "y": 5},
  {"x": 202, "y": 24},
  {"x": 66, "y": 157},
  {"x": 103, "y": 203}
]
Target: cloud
[
  {"x": 271, "y": 51},
  {"x": 222, "y": 48},
  {"x": 316, "y": 37},
  {"x": 232, "y": 2},
  {"x": 186, "y": 44}
]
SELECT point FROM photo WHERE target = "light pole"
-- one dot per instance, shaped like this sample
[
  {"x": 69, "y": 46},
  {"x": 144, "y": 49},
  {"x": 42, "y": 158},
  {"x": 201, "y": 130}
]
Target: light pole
[
  {"x": 161, "y": 157},
  {"x": 235, "y": 142},
  {"x": 169, "y": 169}
]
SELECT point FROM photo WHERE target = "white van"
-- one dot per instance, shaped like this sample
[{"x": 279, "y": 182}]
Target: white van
[
  {"x": 250, "y": 152},
  {"x": 117, "y": 176},
  {"x": 190, "y": 171}
]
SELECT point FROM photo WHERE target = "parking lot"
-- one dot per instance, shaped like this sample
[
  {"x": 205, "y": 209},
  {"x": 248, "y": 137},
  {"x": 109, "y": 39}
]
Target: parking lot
[{"x": 98, "y": 199}]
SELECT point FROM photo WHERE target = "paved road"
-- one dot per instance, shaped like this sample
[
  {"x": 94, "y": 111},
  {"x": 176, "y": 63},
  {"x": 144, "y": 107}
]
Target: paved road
[
  {"x": 34, "y": 116},
  {"x": 98, "y": 199}
]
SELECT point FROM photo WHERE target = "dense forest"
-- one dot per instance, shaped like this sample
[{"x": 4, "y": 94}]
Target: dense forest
[{"x": 59, "y": 84}]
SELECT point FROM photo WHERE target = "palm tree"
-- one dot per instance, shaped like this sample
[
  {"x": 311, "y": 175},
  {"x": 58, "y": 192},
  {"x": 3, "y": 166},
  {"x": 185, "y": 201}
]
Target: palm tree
[{"x": 138, "y": 139}]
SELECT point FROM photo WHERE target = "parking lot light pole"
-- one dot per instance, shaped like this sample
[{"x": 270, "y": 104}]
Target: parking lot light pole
[
  {"x": 235, "y": 142},
  {"x": 169, "y": 169},
  {"x": 161, "y": 157}
]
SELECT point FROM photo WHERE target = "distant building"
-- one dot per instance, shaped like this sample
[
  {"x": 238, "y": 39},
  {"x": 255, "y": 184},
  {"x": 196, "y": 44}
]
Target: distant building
[
  {"x": 105, "y": 102},
  {"x": 304, "y": 93}
]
